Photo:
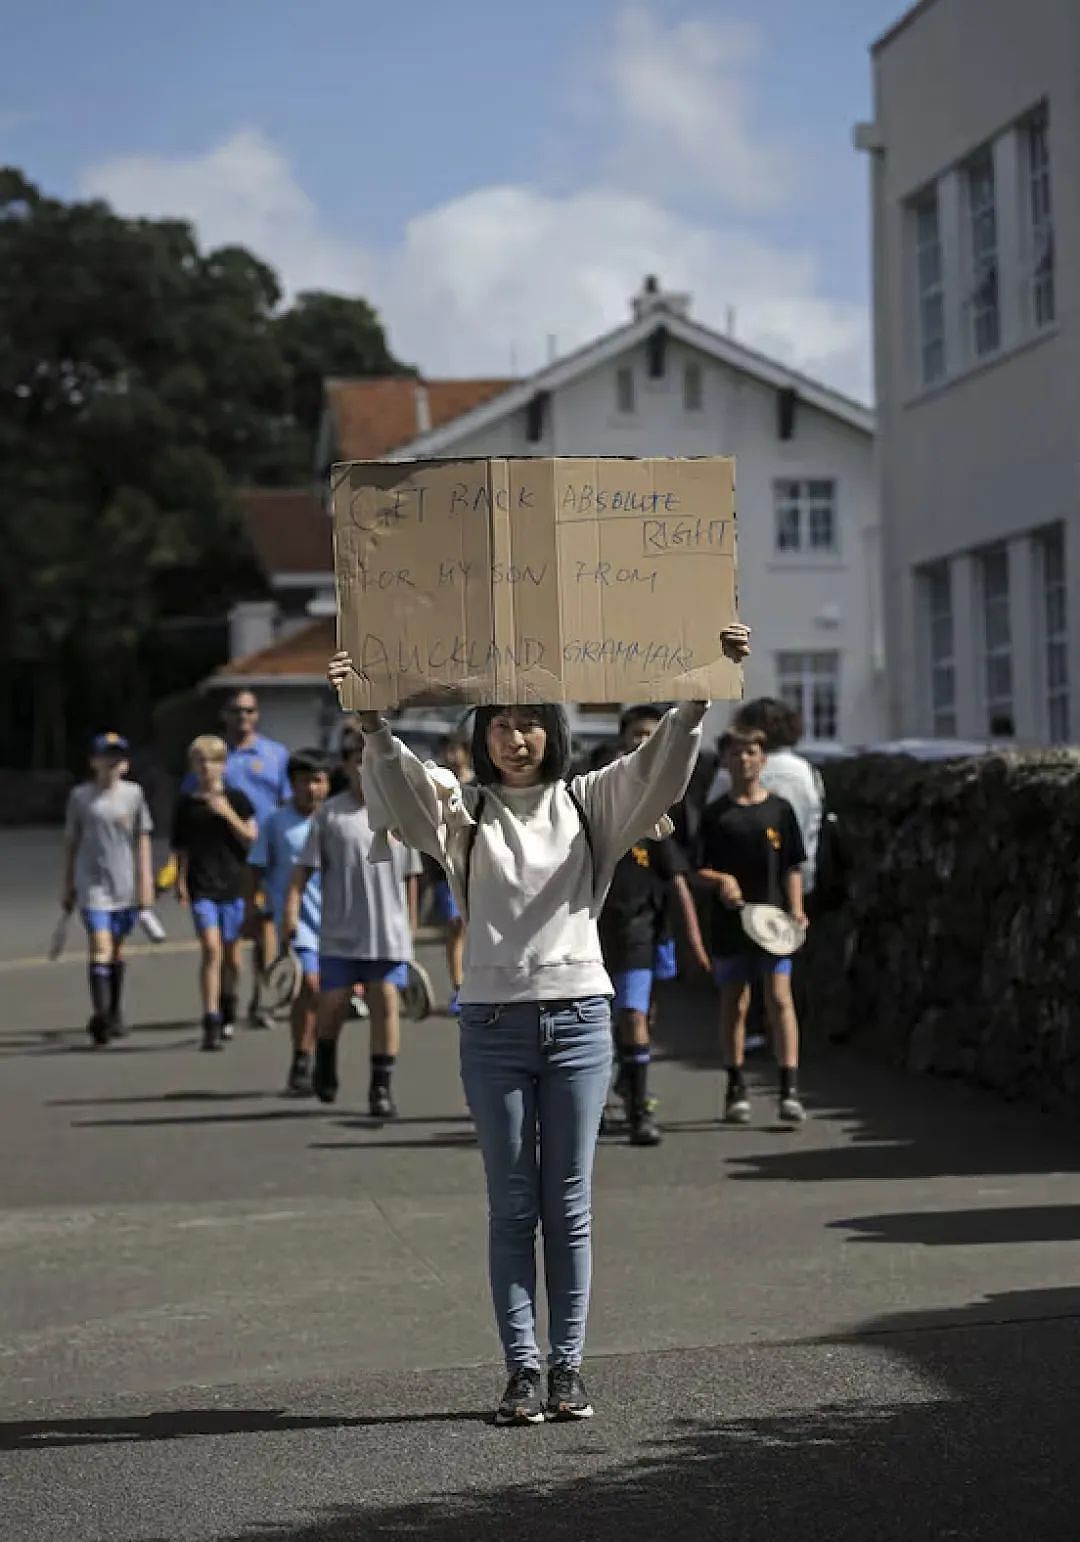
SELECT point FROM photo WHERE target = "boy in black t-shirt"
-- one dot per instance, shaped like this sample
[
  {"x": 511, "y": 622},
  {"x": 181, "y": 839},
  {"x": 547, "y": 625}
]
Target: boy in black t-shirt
[
  {"x": 213, "y": 828},
  {"x": 633, "y": 925},
  {"x": 750, "y": 851}
]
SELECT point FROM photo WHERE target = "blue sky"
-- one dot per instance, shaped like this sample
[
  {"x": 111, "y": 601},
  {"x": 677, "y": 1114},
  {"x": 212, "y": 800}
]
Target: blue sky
[{"x": 490, "y": 173}]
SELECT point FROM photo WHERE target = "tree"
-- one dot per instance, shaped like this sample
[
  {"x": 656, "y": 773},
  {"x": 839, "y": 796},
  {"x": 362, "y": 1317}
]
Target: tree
[
  {"x": 327, "y": 334},
  {"x": 141, "y": 381}
]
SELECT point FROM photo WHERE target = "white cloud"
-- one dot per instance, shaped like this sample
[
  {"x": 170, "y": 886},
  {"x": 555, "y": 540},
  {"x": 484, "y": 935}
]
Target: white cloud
[
  {"x": 684, "y": 111},
  {"x": 504, "y": 267}
]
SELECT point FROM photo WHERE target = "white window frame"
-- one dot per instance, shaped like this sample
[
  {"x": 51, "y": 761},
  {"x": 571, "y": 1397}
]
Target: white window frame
[
  {"x": 809, "y": 681},
  {"x": 625, "y": 391},
  {"x": 929, "y": 286},
  {"x": 1054, "y": 627},
  {"x": 940, "y": 614},
  {"x": 1038, "y": 198},
  {"x": 984, "y": 298},
  {"x": 693, "y": 387},
  {"x": 998, "y": 674},
  {"x": 804, "y": 508}
]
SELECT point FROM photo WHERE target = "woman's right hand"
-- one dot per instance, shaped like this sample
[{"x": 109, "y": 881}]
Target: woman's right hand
[{"x": 339, "y": 669}]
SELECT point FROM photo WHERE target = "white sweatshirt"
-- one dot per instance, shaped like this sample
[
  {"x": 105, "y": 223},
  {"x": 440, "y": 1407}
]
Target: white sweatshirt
[{"x": 532, "y": 904}]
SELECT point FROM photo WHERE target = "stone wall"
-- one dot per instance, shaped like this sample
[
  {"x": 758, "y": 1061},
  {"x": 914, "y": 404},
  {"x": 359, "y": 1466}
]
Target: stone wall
[{"x": 958, "y": 951}]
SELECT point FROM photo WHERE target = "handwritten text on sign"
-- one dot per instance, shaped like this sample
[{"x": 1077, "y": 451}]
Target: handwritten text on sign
[{"x": 558, "y": 580}]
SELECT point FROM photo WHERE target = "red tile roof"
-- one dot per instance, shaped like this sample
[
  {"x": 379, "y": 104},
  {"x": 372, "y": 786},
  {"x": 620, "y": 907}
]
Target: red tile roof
[
  {"x": 305, "y": 653},
  {"x": 373, "y": 417},
  {"x": 289, "y": 529}
]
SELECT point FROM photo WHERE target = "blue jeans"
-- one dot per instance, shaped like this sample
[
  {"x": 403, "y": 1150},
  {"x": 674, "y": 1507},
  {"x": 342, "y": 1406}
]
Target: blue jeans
[{"x": 538, "y": 1068}]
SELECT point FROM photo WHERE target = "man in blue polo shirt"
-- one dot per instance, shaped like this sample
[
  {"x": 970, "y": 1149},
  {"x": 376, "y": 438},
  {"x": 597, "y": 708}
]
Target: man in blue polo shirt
[{"x": 258, "y": 767}]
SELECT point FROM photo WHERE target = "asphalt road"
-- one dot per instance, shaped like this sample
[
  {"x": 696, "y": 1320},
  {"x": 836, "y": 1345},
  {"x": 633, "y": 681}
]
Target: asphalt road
[{"x": 228, "y": 1316}]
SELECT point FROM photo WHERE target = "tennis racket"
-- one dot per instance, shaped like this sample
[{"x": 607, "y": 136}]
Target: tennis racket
[
  {"x": 417, "y": 996},
  {"x": 279, "y": 985}
]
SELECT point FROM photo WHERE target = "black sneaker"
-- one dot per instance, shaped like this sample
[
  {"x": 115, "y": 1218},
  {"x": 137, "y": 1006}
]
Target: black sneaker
[
  {"x": 299, "y": 1082},
  {"x": 522, "y": 1402},
  {"x": 380, "y": 1104},
  {"x": 98, "y": 1029},
  {"x": 644, "y": 1130},
  {"x": 211, "y": 1034},
  {"x": 737, "y": 1106},
  {"x": 324, "y": 1077},
  {"x": 567, "y": 1398}
]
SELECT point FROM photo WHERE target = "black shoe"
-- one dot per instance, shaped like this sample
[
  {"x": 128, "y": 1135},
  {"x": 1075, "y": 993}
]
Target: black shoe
[
  {"x": 522, "y": 1402},
  {"x": 299, "y": 1082},
  {"x": 380, "y": 1104},
  {"x": 644, "y": 1130},
  {"x": 98, "y": 1029},
  {"x": 324, "y": 1077},
  {"x": 737, "y": 1106},
  {"x": 567, "y": 1398},
  {"x": 211, "y": 1035}
]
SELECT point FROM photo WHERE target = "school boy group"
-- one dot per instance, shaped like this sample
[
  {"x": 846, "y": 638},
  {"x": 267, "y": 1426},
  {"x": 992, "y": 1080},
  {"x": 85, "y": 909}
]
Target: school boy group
[{"x": 556, "y": 892}]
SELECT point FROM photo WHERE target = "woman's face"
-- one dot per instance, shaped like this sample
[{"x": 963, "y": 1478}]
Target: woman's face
[{"x": 517, "y": 744}]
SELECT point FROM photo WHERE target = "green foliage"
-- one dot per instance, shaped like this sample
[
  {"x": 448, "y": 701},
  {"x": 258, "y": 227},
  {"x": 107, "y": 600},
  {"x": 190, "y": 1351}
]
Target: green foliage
[{"x": 141, "y": 382}]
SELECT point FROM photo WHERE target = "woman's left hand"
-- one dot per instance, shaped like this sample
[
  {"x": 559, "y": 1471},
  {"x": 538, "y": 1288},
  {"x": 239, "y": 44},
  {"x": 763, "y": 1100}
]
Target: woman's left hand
[{"x": 735, "y": 640}]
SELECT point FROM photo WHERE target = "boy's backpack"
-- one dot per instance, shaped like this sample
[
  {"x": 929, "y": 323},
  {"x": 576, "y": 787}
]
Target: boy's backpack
[
  {"x": 832, "y": 872},
  {"x": 478, "y": 814}
]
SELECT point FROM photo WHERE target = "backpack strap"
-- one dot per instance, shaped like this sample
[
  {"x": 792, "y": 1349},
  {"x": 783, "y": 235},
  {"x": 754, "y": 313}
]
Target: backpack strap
[{"x": 478, "y": 814}]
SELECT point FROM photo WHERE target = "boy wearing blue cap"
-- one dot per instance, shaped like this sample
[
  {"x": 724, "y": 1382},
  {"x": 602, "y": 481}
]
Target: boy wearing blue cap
[{"x": 108, "y": 873}]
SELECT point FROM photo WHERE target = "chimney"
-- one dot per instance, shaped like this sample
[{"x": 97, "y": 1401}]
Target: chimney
[
  {"x": 423, "y": 409},
  {"x": 653, "y": 298}
]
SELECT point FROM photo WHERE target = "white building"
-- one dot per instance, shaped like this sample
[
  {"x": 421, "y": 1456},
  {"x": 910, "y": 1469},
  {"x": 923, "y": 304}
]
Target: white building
[
  {"x": 975, "y": 150},
  {"x": 665, "y": 385}
]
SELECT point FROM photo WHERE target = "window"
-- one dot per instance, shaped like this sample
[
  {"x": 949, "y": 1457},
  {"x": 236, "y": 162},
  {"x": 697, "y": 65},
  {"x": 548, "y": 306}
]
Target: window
[
  {"x": 937, "y": 589},
  {"x": 930, "y": 289},
  {"x": 810, "y": 683},
  {"x": 693, "y": 392},
  {"x": 805, "y": 516},
  {"x": 1037, "y": 140},
  {"x": 997, "y": 643},
  {"x": 624, "y": 390},
  {"x": 982, "y": 212},
  {"x": 1055, "y": 634}
]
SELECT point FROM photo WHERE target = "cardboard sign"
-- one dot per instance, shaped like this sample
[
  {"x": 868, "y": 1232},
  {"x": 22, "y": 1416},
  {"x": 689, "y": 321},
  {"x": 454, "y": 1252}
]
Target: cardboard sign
[{"x": 560, "y": 580}]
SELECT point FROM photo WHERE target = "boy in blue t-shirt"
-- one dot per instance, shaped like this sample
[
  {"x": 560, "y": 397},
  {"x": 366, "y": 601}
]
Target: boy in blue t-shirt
[{"x": 281, "y": 839}]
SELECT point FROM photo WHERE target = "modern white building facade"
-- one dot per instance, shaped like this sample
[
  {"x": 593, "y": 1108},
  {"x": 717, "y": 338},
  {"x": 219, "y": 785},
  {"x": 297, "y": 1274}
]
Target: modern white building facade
[{"x": 975, "y": 151}]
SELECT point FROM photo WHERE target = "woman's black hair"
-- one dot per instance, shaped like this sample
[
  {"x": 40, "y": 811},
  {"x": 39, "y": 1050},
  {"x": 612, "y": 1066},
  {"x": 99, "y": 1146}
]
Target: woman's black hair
[
  {"x": 781, "y": 724},
  {"x": 554, "y": 767}
]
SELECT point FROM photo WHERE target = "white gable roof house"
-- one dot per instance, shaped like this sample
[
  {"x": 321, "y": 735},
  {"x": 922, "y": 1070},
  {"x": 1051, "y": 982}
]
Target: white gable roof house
[{"x": 663, "y": 384}]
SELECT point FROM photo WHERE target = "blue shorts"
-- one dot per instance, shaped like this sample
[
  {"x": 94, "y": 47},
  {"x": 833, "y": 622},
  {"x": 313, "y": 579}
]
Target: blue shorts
[
  {"x": 665, "y": 960},
  {"x": 224, "y": 916},
  {"x": 309, "y": 960},
  {"x": 118, "y": 923},
  {"x": 744, "y": 968},
  {"x": 633, "y": 990},
  {"x": 446, "y": 906},
  {"x": 341, "y": 974}
]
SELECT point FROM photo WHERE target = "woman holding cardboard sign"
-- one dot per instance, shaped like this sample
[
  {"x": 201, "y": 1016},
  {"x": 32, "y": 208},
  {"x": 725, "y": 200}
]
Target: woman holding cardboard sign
[{"x": 529, "y": 855}]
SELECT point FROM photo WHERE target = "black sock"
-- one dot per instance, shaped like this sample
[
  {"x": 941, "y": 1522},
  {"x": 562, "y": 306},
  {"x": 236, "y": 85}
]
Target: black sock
[
  {"x": 116, "y": 987},
  {"x": 636, "y": 1065},
  {"x": 789, "y": 1081},
  {"x": 100, "y": 977},
  {"x": 735, "y": 1080},
  {"x": 382, "y": 1067}
]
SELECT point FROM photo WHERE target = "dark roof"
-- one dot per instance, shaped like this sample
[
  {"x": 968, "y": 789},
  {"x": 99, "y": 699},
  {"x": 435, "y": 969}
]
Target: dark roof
[
  {"x": 902, "y": 23},
  {"x": 289, "y": 529},
  {"x": 304, "y": 654},
  {"x": 373, "y": 417}
]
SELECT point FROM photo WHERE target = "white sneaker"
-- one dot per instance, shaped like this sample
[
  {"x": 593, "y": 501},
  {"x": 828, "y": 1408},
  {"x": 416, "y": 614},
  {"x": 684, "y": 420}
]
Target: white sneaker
[{"x": 791, "y": 1110}]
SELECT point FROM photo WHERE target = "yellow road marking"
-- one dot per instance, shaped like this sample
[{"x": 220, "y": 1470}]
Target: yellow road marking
[{"x": 74, "y": 956}]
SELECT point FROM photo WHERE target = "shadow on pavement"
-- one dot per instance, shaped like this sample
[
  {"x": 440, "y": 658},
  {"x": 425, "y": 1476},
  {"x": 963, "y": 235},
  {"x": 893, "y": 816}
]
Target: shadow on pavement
[
  {"x": 197, "y": 1096},
  {"x": 965, "y": 1228},
  {"x": 50, "y": 1434}
]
